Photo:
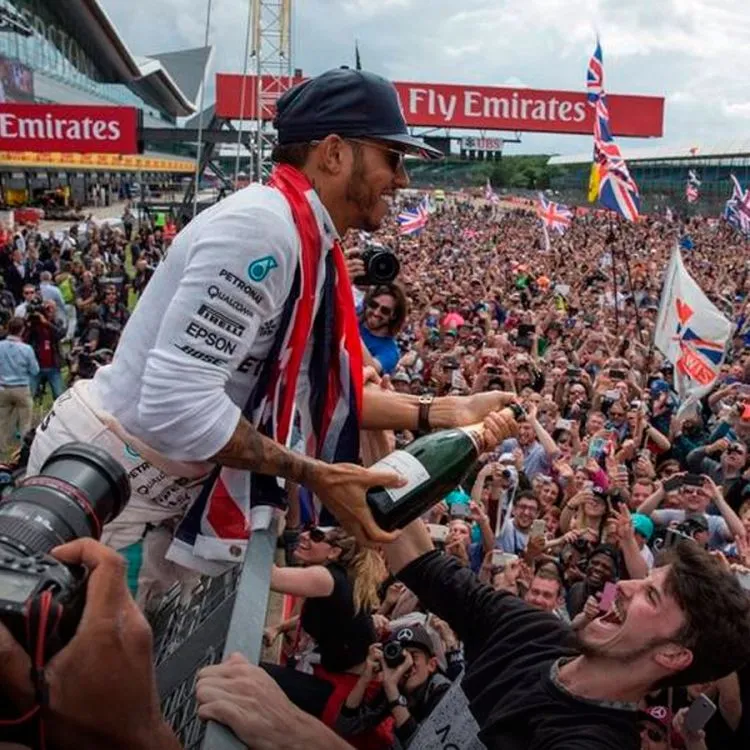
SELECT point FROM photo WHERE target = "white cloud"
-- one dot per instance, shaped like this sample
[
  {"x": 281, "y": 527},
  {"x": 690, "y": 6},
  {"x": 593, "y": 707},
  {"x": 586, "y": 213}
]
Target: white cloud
[
  {"x": 693, "y": 52},
  {"x": 736, "y": 109}
]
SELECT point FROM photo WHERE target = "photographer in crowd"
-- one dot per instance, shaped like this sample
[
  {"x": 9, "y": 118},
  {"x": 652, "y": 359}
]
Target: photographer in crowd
[
  {"x": 44, "y": 333},
  {"x": 412, "y": 685}
]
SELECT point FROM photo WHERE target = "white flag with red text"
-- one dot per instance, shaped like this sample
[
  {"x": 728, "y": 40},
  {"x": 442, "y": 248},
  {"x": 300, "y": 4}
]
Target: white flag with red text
[{"x": 690, "y": 331}]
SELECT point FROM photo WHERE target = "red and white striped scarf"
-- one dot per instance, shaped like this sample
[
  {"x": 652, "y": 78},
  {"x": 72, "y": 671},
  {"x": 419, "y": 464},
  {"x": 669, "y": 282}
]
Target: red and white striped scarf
[{"x": 216, "y": 528}]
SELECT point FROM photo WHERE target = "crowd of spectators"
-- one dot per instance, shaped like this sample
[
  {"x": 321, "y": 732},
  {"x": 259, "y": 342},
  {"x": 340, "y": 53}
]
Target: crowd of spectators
[
  {"x": 606, "y": 472},
  {"x": 66, "y": 295}
]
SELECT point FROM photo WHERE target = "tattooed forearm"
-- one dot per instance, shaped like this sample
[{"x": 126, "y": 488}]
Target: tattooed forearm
[{"x": 248, "y": 449}]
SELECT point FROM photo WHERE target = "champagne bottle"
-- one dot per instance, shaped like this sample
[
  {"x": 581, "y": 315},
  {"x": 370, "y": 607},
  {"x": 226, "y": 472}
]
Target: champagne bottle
[{"x": 434, "y": 465}]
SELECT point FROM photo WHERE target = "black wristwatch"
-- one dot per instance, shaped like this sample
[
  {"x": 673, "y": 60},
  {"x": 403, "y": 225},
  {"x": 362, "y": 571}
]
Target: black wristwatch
[
  {"x": 400, "y": 701},
  {"x": 423, "y": 423}
]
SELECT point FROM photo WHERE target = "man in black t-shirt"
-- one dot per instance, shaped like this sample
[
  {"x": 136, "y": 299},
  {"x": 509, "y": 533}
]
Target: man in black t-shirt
[{"x": 531, "y": 684}]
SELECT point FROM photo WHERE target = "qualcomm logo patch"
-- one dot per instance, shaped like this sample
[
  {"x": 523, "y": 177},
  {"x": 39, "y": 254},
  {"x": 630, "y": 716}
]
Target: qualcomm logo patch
[
  {"x": 132, "y": 452},
  {"x": 259, "y": 269}
]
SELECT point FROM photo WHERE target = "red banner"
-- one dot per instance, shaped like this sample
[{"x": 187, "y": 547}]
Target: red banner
[
  {"x": 473, "y": 107},
  {"x": 63, "y": 128}
]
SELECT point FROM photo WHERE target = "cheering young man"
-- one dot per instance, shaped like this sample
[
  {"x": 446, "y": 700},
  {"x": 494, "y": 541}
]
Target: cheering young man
[{"x": 250, "y": 321}]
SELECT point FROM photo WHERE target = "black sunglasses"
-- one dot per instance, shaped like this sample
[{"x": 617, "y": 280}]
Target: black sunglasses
[
  {"x": 383, "y": 308},
  {"x": 316, "y": 535}
]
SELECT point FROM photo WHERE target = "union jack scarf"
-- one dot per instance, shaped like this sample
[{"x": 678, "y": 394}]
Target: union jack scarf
[{"x": 327, "y": 393}]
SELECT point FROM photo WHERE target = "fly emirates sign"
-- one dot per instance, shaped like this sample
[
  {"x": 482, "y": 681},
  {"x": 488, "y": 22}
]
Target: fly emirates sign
[
  {"x": 67, "y": 128},
  {"x": 495, "y": 108},
  {"x": 473, "y": 107}
]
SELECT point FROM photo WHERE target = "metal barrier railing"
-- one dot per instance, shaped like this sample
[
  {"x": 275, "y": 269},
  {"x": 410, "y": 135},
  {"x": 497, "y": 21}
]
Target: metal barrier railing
[{"x": 225, "y": 615}]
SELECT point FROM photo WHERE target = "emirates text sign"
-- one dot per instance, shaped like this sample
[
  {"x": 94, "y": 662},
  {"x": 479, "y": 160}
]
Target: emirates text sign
[
  {"x": 474, "y": 107},
  {"x": 63, "y": 128}
]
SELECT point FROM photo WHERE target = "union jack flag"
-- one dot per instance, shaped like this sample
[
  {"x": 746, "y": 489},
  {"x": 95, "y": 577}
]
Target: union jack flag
[
  {"x": 411, "y": 221},
  {"x": 737, "y": 208},
  {"x": 691, "y": 187},
  {"x": 554, "y": 215},
  {"x": 617, "y": 189},
  {"x": 595, "y": 75}
]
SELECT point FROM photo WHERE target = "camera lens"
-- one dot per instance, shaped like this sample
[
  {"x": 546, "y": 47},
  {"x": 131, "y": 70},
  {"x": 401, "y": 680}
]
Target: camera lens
[
  {"x": 80, "y": 488},
  {"x": 393, "y": 654},
  {"x": 383, "y": 267}
]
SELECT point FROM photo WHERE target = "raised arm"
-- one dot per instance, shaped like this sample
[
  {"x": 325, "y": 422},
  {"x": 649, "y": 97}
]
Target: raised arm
[{"x": 474, "y": 611}]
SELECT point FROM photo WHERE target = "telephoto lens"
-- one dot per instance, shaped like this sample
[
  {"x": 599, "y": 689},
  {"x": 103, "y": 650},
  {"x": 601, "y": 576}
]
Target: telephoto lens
[
  {"x": 393, "y": 654},
  {"x": 79, "y": 490},
  {"x": 381, "y": 265}
]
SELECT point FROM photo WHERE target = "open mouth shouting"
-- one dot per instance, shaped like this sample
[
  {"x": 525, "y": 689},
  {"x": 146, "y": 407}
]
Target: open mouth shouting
[{"x": 614, "y": 617}]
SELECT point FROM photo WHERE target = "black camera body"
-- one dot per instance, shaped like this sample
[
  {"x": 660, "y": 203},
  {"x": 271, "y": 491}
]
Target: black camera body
[
  {"x": 393, "y": 654},
  {"x": 80, "y": 488},
  {"x": 35, "y": 306},
  {"x": 381, "y": 265},
  {"x": 24, "y": 576}
]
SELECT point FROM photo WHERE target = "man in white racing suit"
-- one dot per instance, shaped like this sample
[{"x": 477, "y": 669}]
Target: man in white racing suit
[{"x": 169, "y": 407}]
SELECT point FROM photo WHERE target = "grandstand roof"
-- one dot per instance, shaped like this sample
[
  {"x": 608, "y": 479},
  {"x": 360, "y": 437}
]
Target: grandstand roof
[
  {"x": 166, "y": 81},
  {"x": 689, "y": 152}
]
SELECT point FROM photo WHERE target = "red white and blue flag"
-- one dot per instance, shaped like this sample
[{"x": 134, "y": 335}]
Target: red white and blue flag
[
  {"x": 595, "y": 75},
  {"x": 555, "y": 216},
  {"x": 617, "y": 189},
  {"x": 690, "y": 331},
  {"x": 411, "y": 221},
  {"x": 737, "y": 208}
]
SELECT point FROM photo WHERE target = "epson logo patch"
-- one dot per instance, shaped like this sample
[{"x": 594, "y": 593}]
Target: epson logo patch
[{"x": 220, "y": 320}]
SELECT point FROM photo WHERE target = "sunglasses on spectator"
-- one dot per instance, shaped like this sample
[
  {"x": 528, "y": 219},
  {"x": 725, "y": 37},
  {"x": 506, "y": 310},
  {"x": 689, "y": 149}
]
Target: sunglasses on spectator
[
  {"x": 382, "y": 308},
  {"x": 734, "y": 449},
  {"x": 654, "y": 734},
  {"x": 317, "y": 535}
]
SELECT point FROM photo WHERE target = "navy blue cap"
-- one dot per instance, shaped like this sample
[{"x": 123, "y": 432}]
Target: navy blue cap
[{"x": 349, "y": 103}]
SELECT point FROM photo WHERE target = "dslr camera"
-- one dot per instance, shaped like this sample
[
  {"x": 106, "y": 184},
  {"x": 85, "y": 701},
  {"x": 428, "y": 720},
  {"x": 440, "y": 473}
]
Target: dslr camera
[
  {"x": 80, "y": 488},
  {"x": 35, "y": 306},
  {"x": 381, "y": 265},
  {"x": 393, "y": 654}
]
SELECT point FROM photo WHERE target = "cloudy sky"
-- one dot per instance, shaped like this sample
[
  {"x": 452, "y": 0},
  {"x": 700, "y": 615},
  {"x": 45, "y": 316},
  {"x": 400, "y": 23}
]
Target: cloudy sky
[{"x": 696, "y": 53}]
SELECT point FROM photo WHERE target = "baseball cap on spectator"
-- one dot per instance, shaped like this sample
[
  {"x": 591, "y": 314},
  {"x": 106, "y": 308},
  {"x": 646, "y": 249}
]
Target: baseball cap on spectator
[
  {"x": 414, "y": 635},
  {"x": 658, "y": 387},
  {"x": 643, "y": 525},
  {"x": 349, "y": 103},
  {"x": 400, "y": 377},
  {"x": 451, "y": 332},
  {"x": 457, "y": 497},
  {"x": 661, "y": 716}
]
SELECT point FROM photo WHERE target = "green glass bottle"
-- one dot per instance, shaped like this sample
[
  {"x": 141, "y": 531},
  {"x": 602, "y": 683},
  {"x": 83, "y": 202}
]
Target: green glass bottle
[{"x": 434, "y": 465}]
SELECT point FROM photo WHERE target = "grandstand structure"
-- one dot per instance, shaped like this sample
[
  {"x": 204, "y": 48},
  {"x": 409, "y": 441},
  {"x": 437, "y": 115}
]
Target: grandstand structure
[
  {"x": 68, "y": 52},
  {"x": 661, "y": 173}
]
